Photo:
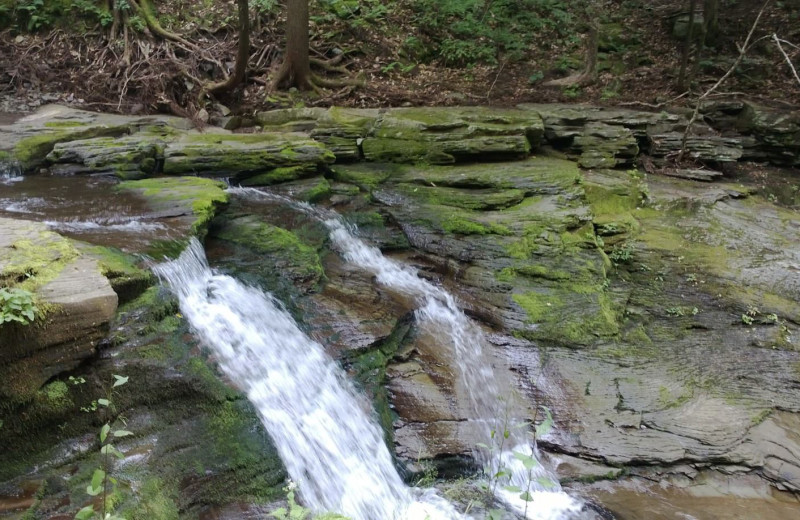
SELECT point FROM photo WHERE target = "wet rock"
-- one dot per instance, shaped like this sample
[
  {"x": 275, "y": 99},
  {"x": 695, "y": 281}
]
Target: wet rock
[
  {"x": 130, "y": 157},
  {"x": 282, "y": 156},
  {"x": 30, "y": 139},
  {"x": 281, "y": 248},
  {"x": 446, "y": 135},
  {"x": 76, "y": 303},
  {"x": 708, "y": 148},
  {"x": 190, "y": 201},
  {"x": 605, "y": 146},
  {"x": 693, "y": 174},
  {"x": 776, "y": 133}
]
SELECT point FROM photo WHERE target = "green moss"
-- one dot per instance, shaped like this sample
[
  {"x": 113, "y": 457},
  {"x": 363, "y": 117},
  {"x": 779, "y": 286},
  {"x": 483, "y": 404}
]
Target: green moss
[
  {"x": 127, "y": 280},
  {"x": 33, "y": 262},
  {"x": 31, "y": 151},
  {"x": 155, "y": 500},
  {"x": 279, "y": 175},
  {"x": 285, "y": 248},
  {"x": 463, "y": 226},
  {"x": 63, "y": 124},
  {"x": 366, "y": 176},
  {"x": 571, "y": 314},
  {"x": 320, "y": 191},
  {"x": 203, "y": 196}
]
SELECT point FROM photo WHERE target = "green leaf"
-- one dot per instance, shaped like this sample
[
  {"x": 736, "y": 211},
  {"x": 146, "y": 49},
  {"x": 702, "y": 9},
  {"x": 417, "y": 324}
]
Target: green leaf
[
  {"x": 513, "y": 489},
  {"x": 122, "y": 433},
  {"x": 97, "y": 478},
  {"x": 527, "y": 461},
  {"x": 85, "y": 513},
  {"x": 104, "y": 432},
  {"x": 547, "y": 425},
  {"x": 103, "y": 402},
  {"x": 506, "y": 434},
  {"x": 545, "y": 482},
  {"x": 93, "y": 491},
  {"x": 281, "y": 512},
  {"x": 526, "y": 496},
  {"x": 120, "y": 380},
  {"x": 109, "y": 449},
  {"x": 482, "y": 445}
]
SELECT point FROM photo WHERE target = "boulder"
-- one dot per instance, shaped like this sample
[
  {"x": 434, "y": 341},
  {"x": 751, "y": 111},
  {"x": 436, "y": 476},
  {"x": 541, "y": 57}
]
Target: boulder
[{"x": 76, "y": 304}]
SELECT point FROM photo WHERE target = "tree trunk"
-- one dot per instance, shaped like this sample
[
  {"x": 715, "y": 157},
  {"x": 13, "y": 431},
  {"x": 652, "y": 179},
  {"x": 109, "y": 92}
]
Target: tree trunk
[
  {"x": 242, "y": 54},
  {"x": 296, "y": 69},
  {"x": 711, "y": 20},
  {"x": 687, "y": 46}
]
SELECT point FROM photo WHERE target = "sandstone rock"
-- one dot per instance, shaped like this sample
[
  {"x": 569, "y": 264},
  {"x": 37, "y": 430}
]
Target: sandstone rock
[{"x": 75, "y": 300}]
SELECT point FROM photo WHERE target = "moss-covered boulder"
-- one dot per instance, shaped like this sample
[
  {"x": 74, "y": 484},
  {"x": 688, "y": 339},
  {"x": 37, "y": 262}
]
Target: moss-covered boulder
[
  {"x": 189, "y": 202},
  {"x": 128, "y": 157},
  {"x": 339, "y": 129},
  {"x": 244, "y": 155},
  {"x": 446, "y": 135},
  {"x": 283, "y": 251},
  {"x": 29, "y": 140},
  {"x": 75, "y": 305}
]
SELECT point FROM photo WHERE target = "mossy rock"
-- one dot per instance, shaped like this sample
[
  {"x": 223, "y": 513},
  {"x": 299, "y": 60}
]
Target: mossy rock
[
  {"x": 243, "y": 155},
  {"x": 195, "y": 200},
  {"x": 284, "y": 250}
]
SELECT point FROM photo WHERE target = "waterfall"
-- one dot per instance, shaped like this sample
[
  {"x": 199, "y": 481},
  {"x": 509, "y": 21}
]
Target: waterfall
[
  {"x": 322, "y": 429},
  {"x": 438, "y": 314},
  {"x": 9, "y": 172}
]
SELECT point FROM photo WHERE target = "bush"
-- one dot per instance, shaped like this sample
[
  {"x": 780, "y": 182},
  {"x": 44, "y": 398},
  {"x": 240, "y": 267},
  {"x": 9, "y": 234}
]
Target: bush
[{"x": 466, "y": 32}]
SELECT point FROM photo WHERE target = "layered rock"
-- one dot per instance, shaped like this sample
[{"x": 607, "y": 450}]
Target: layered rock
[{"x": 76, "y": 304}]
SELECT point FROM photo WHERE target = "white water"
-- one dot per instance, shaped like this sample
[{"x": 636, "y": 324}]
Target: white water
[
  {"x": 321, "y": 427},
  {"x": 438, "y": 314},
  {"x": 9, "y": 172},
  {"x": 131, "y": 226}
]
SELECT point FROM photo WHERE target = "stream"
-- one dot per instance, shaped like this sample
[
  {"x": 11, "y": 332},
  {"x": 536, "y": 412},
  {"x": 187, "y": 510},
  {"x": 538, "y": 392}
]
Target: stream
[{"x": 515, "y": 339}]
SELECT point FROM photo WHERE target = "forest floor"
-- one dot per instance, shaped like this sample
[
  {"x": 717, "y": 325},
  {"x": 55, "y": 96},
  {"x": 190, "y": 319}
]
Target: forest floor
[{"x": 638, "y": 61}]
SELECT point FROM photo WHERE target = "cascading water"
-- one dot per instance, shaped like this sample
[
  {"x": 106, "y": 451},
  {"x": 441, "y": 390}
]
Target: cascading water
[
  {"x": 9, "y": 172},
  {"x": 321, "y": 428},
  {"x": 439, "y": 313}
]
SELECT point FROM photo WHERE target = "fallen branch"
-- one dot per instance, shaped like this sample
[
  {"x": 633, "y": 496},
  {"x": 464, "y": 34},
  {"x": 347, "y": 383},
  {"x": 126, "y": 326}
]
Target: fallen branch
[{"x": 786, "y": 56}]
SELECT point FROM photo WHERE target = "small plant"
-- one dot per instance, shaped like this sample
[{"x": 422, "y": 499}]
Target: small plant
[
  {"x": 676, "y": 312},
  {"x": 17, "y": 305},
  {"x": 298, "y": 512},
  {"x": 102, "y": 482},
  {"x": 747, "y": 319},
  {"x": 621, "y": 254}
]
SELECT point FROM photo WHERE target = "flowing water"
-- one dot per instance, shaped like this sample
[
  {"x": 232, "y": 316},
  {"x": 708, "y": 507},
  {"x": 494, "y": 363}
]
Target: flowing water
[
  {"x": 513, "y": 450},
  {"x": 321, "y": 427}
]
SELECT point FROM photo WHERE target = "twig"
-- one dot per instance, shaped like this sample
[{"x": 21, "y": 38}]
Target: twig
[
  {"x": 786, "y": 57},
  {"x": 657, "y": 105},
  {"x": 497, "y": 76},
  {"x": 742, "y": 51}
]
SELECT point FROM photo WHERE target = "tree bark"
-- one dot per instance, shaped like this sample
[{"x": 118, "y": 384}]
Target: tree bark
[
  {"x": 711, "y": 20},
  {"x": 242, "y": 54},
  {"x": 296, "y": 68}
]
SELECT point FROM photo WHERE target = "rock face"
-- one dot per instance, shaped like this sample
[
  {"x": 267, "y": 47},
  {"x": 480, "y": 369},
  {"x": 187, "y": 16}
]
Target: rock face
[
  {"x": 76, "y": 305},
  {"x": 656, "y": 317}
]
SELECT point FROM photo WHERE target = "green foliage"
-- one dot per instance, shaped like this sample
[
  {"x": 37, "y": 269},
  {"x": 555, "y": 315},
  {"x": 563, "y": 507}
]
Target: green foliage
[
  {"x": 466, "y": 32},
  {"x": 103, "y": 484},
  {"x": 36, "y": 15},
  {"x": 17, "y": 305}
]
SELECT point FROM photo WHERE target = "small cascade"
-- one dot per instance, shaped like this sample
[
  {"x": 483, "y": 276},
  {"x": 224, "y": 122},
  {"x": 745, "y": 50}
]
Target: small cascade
[
  {"x": 439, "y": 314},
  {"x": 9, "y": 172},
  {"x": 321, "y": 427}
]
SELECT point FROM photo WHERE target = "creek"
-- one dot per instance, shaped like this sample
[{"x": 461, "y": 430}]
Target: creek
[{"x": 612, "y": 344}]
